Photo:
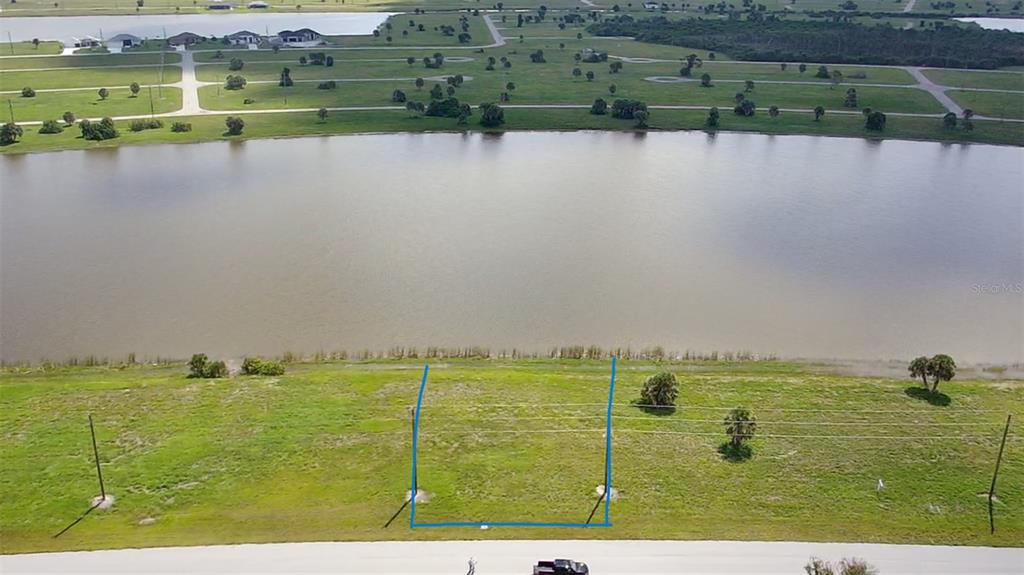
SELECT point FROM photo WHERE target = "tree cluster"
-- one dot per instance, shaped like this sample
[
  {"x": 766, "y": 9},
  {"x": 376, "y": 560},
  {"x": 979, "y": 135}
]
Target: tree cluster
[{"x": 200, "y": 366}]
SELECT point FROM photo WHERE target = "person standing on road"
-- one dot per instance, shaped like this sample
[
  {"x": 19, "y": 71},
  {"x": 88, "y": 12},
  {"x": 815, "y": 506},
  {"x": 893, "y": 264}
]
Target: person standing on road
[{"x": 472, "y": 567}]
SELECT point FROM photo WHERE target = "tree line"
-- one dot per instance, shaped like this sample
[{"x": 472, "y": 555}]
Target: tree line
[{"x": 834, "y": 42}]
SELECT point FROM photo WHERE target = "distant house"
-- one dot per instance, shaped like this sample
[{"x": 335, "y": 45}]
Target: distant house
[
  {"x": 218, "y": 5},
  {"x": 184, "y": 40},
  {"x": 122, "y": 41},
  {"x": 244, "y": 38},
  {"x": 87, "y": 42},
  {"x": 652, "y": 5},
  {"x": 302, "y": 38},
  {"x": 258, "y": 4}
]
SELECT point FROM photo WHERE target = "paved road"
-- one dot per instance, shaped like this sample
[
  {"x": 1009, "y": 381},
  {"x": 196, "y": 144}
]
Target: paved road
[
  {"x": 516, "y": 557},
  {"x": 937, "y": 91}
]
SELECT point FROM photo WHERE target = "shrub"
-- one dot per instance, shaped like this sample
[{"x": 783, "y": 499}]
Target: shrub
[
  {"x": 181, "y": 127},
  {"x": 69, "y": 118},
  {"x": 9, "y": 133},
  {"x": 234, "y": 124},
  {"x": 259, "y": 366},
  {"x": 491, "y": 115},
  {"x": 51, "y": 127},
  {"x": 327, "y": 85},
  {"x": 660, "y": 390},
  {"x": 27, "y": 92},
  {"x": 398, "y": 96},
  {"x": 102, "y": 130},
  {"x": 234, "y": 82},
  {"x": 200, "y": 366},
  {"x": 248, "y": 101},
  {"x": 625, "y": 109},
  {"x": 739, "y": 426},
  {"x": 600, "y": 107},
  {"x": 447, "y": 108},
  {"x": 147, "y": 124},
  {"x": 236, "y": 64},
  {"x": 875, "y": 121},
  {"x": 103, "y": 93},
  {"x": 855, "y": 566},
  {"x": 745, "y": 108}
]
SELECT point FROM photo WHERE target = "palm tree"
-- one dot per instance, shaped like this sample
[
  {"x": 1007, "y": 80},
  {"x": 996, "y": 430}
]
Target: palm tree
[{"x": 739, "y": 426}]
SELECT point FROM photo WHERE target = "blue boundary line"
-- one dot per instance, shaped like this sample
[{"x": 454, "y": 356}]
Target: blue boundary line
[
  {"x": 415, "y": 437},
  {"x": 607, "y": 475}
]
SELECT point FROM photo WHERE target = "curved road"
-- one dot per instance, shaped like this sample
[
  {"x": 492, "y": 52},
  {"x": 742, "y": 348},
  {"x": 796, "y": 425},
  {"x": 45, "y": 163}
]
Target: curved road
[{"x": 517, "y": 557}]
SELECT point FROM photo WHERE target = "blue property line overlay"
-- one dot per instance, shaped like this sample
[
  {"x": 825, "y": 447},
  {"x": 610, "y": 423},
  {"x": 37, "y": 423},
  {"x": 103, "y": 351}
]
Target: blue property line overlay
[
  {"x": 607, "y": 478},
  {"x": 415, "y": 436}
]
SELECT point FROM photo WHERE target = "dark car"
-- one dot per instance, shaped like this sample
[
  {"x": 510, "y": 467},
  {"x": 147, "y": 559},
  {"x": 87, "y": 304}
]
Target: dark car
[{"x": 560, "y": 567}]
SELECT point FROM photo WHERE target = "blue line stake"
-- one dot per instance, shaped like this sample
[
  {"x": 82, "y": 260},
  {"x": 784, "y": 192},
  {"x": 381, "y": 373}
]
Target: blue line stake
[
  {"x": 608, "y": 450},
  {"x": 415, "y": 437}
]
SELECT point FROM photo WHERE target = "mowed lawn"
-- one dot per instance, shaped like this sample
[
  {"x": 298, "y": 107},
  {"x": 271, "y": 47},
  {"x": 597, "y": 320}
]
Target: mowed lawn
[
  {"x": 87, "y": 77},
  {"x": 323, "y": 453},
  {"x": 88, "y": 104},
  {"x": 964, "y": 79},
  {"x": 995, "y": 104}
]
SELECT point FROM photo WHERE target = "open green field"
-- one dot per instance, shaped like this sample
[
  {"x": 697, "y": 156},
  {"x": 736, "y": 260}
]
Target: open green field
[
  {"x": 87, "y": 77},
  {"x": 323, "y": 453},
  {"x": 965, "y": 79},
  {"x": 28, "y": 48},
  {"x": 88, "y": 104},
  {"x": 995, "y": 104},
  {"x": 89, "y": 60}
]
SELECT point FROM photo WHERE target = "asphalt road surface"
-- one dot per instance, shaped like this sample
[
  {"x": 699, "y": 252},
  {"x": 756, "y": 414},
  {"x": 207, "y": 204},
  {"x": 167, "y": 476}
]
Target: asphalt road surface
[{"x": 517, "y": 558}]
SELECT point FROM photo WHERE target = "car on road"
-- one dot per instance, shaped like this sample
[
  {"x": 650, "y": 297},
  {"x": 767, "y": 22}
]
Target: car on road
[{"x": 560, "y": 567}]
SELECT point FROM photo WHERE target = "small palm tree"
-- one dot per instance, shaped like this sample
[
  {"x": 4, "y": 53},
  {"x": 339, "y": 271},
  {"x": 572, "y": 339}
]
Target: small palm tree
[{"x": 739, "y": 426}]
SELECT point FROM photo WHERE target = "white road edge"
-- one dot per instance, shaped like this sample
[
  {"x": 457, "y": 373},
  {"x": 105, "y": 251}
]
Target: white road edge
[{"x": 517, "y": 557}]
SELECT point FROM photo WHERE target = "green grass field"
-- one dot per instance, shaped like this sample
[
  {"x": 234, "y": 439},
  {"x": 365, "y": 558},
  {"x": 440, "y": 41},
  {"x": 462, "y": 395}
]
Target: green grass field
[
  {"x": 88, "y": 77},
  {"x": 322, "y": 453},
  {"x": 88, "y": 104},
  {"x": 964, "y": 79},
  {"x": 28, "y": 48},
  {"x": 996, "y": 104}
]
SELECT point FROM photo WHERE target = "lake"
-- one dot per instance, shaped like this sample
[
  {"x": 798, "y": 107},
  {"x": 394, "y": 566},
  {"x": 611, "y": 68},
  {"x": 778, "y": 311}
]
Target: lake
[
  {"x": 65, "y": 28},
  {"x": 1011, "y": 24},
  {"x": 794, "y": 245}
]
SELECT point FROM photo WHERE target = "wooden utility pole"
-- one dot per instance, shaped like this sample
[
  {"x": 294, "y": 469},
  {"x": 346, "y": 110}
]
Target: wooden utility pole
[
  {"x": 96, "y": 454},
  {"x": 995, "y": 474}
]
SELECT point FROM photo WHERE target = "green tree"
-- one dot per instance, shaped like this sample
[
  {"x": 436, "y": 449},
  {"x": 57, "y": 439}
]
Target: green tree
[
  {"x": 774, "y": 111},
  {"x": 739, "y": 426},
  {"x": 234, "y": 82},
  {"x": 783, "y": 66},
  {"x": 69, "y": 118},
  {"x": 875, "y": 121},
  {"x": 968, "y": 125},
  {"x": 415, "y": 108},
  {"x": 491, "y": 115},
  {"x": 802, "y": 68},
  {"x": 436, "y": 93},
  {"x": 949, "y": 121},
  {"x": 134, "y": 88},
  {"x": 576, "y": 72},
  {"x": 102, "y": 130},
  {"x": 919, "y": 368},
  {"x": 410, "y": 61},
  {"x": 748, "y": 86},
  {"x": 236, "y": 64},
  {"x": 714, "y": 117},
  {"x": 51, "y": 127},
  {"x": 941, "y": 368},
  {"x": 851, "y": 98},
  {"x": 286, "y": 78},
  {"x": 599, "y": 108},
  {"x": 612, "y": 89},
  {"x": 855, "y": 566},
  {"x": 27, "y": 92},
  {"x": 615, "y": 67},
  {"x": 419, "y": 83},
  {"x": 322, "y": 114},
  {"x": 660, "y": 390},
  {"x": 819, "y": 111},
  {"x": 705, "y": 80},
  {"x": 823, "y": 73},
  {"x": 640, "y": 118},
  {"x": 398, "y": 96},
  {"x": 9, "y": 133},
  {"x": 235, "y": 125},
  {"x": 590, "y": 75},
  {"x": 818, "y": 567}
]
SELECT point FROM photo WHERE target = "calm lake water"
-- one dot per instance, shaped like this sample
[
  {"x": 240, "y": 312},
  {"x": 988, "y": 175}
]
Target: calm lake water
[
  {"x": 1011, "y": 24},
  {"x": 801, "y": 246},
  {"x": 64, "y": 28}
]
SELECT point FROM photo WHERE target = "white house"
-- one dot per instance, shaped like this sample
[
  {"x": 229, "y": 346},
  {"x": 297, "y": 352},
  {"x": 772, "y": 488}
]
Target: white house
[
  {"x": 652, "y": 5},
  {"x": 258, "y": 4},
  {"x": 87, "y": 42},
  {"x": 122, "y": 41}
]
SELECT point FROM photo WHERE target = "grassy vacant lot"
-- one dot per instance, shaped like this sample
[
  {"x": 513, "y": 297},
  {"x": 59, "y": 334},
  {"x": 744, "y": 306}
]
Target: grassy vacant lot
[
  {"x": 964, "y": 79},
  {"x": 322, "y": 453},
  {"x": 995, "y": 104},
  {"x": 88, "y": 77},
  {"x": 88, "y": 104},
  {"x": 28, "y": 48}
]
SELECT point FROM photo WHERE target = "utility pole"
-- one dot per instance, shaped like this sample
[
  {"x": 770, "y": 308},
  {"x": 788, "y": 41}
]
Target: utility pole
[
  {"x": 151, "y": 113},
  {"x": 10, "y": 106},
  {"x": 163, "y": 48},
  {"x": 96, "y": 454},
  {"x": 995, "y": 474},
  {"x": 10, "y": 42}
]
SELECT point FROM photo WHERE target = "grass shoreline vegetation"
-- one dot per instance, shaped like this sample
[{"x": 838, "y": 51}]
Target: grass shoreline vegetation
[
  {"x": 194, "y": 461},
  {"x": 559, "y": 56}
]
